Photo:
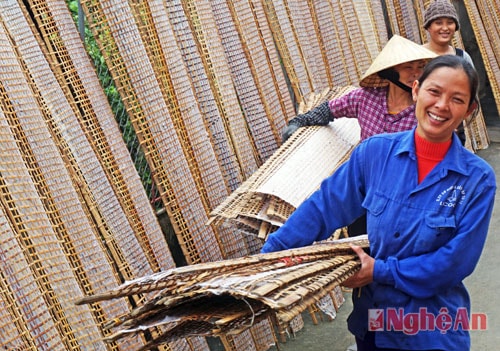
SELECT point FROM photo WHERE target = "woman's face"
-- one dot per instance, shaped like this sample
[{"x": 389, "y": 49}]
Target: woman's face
[
  {"x": 441, "y": 30},
  {"x": 410, "y": 71},
  {"x": 442, "y": 103}
]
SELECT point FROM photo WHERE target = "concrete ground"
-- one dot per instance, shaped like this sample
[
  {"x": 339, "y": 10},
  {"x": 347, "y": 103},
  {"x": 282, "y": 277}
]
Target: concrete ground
[{"x": 483, "y": 285}]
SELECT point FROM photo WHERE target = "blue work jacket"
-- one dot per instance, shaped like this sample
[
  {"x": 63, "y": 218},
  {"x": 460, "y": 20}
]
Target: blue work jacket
[{"x": 425, "y": 238}]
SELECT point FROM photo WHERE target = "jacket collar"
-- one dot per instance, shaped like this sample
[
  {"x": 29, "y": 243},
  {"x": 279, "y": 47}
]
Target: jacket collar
[{"x": 453, "y": 160}]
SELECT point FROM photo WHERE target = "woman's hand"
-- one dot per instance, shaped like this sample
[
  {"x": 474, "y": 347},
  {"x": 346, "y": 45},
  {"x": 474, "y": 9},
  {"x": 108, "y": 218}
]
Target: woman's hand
[{"x": 365, "y": 275}]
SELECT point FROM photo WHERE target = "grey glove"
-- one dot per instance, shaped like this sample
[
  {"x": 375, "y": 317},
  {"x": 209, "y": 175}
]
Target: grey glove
[
  {"x": 318, "y": 116},
  {"x": 289, "y": 130}
]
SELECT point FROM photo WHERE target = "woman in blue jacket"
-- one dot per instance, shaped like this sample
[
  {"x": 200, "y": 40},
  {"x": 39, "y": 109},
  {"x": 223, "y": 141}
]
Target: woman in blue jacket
[{"x": 428, "y": 202}]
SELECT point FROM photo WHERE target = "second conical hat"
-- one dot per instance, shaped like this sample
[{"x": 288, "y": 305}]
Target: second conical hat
[{"x": 397, "y": 50}]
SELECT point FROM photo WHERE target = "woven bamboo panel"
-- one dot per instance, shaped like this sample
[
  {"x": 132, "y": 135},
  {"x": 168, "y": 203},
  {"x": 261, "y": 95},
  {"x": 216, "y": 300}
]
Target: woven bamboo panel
[
  {"x": 73, "y": 138},
  {"x": 38, "y": 228},
  {"x": 275, "y": 93},
  {"x": 331, "y": 143},
  {"x": 233, "y": 295},
  {"x": 40, "y": 200},
  {"x": 228, "y": 19},
  {"x": 286, "y": 39},
  {"x": 372, "y": 27},
  {"x": 356, "y": 41},
  {"x": 186, "y": 116},
  {"x": 154, "y": 125},
  {"x": 266, "y": 200},
  {"x": 25, "y": 321},
  {"x": 80, "y": 77},
  {"x": 221, "y": 140},
  {"x": 46, "y": 128},
  {"x": 245, "y": 55},
  {"x": 347, "y": 53},
  {"x": 171, "y": 73},
  {"x": 260, "y": 85},
  {"x": 303, "y": 18},
  {"x": 137, "y": 243},
  {"x": 210, "y": 46},
  {"x": 475, "y": 130},
  {"x": 484, "y": 17},
  {"x": 330, "y": 43},
  {"x": 178, "y": 98},
  {"x": 220, "y": 15},
  {"x": 403, "y": 19}
]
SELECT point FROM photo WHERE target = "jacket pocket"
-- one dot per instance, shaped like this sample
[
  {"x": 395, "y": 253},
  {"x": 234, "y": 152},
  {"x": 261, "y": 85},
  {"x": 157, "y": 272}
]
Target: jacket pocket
[
  {"x": 376, "y": 204},
  {"x": 437, "y": 231}
]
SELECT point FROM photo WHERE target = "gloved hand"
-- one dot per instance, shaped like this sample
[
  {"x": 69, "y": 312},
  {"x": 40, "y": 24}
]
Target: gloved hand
[
  {"x": 318, "y": 116},
  {"x": 289, "y": 130}
]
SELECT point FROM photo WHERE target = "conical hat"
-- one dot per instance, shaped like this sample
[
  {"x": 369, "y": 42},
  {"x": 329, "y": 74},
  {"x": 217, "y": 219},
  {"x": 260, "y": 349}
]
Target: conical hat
[{"x": 397, "y": 50}]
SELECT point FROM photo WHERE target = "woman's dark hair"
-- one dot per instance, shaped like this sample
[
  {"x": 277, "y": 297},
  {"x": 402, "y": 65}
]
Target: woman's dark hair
[{"x": 454, "y": 61}]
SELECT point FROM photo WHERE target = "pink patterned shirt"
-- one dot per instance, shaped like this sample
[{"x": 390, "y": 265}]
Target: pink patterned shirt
[{"x": 369, "y": 106}]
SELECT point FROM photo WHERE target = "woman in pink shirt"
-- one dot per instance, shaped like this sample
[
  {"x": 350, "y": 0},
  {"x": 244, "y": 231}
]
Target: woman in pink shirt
[{"x": 383, "y": 104}]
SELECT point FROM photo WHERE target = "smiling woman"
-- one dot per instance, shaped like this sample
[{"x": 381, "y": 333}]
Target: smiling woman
[
  {"x": 441, "y": 22},
  {"x": 444, "y": 94},
  {"x": 426, "y": 226}
]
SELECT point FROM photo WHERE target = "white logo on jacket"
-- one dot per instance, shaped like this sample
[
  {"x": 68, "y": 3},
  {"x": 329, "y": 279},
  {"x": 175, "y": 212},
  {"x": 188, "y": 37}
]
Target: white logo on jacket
[{"x": 452, "y": 196}]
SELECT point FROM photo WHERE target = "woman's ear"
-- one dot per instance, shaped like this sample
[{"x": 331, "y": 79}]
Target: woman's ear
[
  {"x": 414, "y": 90},
  {"x": 472, "y": 108}
]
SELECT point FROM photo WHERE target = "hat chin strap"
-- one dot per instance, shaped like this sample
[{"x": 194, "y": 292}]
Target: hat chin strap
[{"x": 392, "y": 76}]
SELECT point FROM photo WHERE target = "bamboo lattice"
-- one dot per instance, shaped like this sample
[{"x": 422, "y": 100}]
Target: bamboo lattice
[
  {"x": 230, "y": 296},
  {"x": 484, "y": 17},
  {"x": 72, "y": 230},
  {"x": 265, "y": 200}
]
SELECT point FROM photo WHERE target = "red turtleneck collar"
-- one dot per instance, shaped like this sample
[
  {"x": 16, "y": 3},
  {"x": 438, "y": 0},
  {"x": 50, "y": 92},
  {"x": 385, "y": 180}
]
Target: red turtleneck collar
[{"x": 429, "y": 154}]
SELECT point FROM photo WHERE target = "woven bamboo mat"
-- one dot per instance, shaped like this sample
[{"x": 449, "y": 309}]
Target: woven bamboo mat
[
  {"x": 20, "y": 293},
  {"x": 63, "y": 167},
  {"x": 285, "y": 35},
  {"x": 40, "y": 202},
  {"x": 266, "y": 199},
  {"x": 372, "y": 27},
  {"x": 154, "y": 125},
  {"x": 186, "y": 116},
  {"x": 345, "y": 48},
  {"x": 484, "y": 17},
  {"x": 325, "y": 146},
  {"x": 250, "y": 68},
  {"x": 167, "y": 119},
  {"x": 265, "y": 61},
  {"x": 67, "y": 131},
  {"x": 230, "y": 296},
  {"x": 361, "y": 58},
  {"x": 221, "y": 142},
  {"x": 210, "y": 43}
]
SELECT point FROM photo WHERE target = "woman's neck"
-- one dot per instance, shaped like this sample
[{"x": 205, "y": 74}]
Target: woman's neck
[
  {"x": 397, "y": 99},
  {"x": 440, "y": 49}
]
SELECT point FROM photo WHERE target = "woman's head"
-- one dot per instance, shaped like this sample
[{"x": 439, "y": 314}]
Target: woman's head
[
  {"x": 445, "y": 95},
  {"x": 408, "y": 72},
  {"x": 400, "y": 57},
  {"x": 441, "y": 22},
  {"x": 440, "y": 9}
]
